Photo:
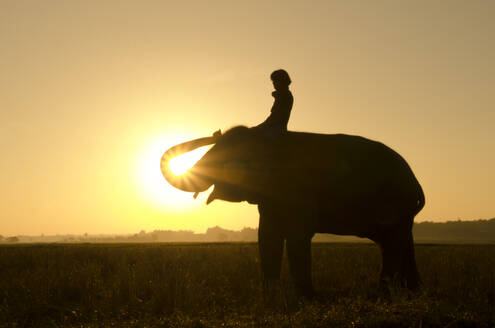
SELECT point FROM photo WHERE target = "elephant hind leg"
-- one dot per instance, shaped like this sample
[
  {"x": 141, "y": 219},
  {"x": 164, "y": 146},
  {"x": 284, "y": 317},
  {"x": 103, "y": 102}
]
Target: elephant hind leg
[
  {"x": 398, "y": 260},
  {"x": 413, "y": 280}
]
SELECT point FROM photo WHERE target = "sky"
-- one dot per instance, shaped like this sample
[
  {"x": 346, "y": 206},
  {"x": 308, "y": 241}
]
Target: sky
[{"x": 93, "y": 92}]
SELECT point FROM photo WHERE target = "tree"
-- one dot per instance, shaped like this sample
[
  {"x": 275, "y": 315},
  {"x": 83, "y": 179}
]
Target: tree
[{"x": 12, "y": 239}]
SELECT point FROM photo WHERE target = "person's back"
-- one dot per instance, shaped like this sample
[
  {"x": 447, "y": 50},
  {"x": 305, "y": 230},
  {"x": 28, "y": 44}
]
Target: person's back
[{"x": 282, "y": 106}]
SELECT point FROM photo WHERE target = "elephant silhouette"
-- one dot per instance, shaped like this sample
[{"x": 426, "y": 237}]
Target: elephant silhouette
[{"x": 307, "y": 183}]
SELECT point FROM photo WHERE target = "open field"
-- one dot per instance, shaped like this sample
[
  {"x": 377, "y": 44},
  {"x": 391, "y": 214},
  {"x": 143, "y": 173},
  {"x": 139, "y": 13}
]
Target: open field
[{"x": 211, "y": 285}]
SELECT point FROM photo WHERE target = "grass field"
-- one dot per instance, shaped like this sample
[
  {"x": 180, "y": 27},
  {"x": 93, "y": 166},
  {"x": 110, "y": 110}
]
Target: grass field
[{"x": 218, "y": 285}]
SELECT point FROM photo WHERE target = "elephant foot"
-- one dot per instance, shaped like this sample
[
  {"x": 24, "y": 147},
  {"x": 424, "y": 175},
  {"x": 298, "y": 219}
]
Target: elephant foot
[
  {"x": 390, "y": 290},
  {"x": 271, "y": 288},
  {"x": 274, "y": 298},
  {"x": 305, "y": 290}
]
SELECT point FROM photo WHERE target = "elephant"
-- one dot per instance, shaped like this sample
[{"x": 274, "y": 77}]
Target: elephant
[{"x": 306, "y": 183}]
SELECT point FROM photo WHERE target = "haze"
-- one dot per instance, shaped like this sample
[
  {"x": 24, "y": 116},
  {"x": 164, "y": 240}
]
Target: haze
[{"x": 91, "y": 91}]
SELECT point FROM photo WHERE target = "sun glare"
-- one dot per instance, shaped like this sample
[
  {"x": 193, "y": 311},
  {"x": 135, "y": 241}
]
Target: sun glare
[
  {"x": 153, "y": 185},
  {"x": 181, "y": 164}
]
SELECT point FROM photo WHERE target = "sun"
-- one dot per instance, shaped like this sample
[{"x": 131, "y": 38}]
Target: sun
[{"x": 153, "y": 186}]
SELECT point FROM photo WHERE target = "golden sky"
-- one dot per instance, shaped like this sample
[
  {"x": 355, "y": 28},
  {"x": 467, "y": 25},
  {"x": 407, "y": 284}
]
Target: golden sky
[{"x": 92, "y": 92}]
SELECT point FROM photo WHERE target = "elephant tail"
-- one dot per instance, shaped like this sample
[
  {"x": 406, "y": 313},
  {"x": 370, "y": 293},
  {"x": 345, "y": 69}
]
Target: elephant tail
[{"x": 421, "y": 199}]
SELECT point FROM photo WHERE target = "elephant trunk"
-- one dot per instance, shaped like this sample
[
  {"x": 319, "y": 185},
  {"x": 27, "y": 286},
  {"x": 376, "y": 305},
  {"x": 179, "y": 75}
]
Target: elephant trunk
[{"x": 190, "y": 181}]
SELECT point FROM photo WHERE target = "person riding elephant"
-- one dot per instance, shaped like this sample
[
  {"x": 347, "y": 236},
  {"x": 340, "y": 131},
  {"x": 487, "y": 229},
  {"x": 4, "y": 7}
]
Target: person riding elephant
[{"x": 282, "y": 105}]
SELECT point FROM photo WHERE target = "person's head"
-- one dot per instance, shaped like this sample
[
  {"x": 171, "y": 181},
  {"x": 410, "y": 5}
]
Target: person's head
[{"x": 280, "y": 79}]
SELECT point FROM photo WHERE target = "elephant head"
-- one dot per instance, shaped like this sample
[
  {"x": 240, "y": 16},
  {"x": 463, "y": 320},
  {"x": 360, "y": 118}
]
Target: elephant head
[{"x": 225, "y": 166}]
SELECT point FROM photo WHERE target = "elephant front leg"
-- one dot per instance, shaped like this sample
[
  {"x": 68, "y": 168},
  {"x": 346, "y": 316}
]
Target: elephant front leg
[
  {"x": 270, "y": 243},
  {"x": 299, "y": 253}
]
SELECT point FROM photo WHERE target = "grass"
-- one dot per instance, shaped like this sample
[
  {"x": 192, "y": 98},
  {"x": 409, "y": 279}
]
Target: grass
[{"x": 219, "y": 285}]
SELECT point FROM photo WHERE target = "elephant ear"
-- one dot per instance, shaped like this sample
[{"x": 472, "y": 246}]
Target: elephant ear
[
  {"x": 238, "y": 181},
  {"x": 237, "y": 172}
]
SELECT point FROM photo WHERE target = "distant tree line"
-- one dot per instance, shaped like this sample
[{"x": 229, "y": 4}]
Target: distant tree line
[
  {"x": 456, "y": 231},
  {"x": 480, "y": 231}
]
